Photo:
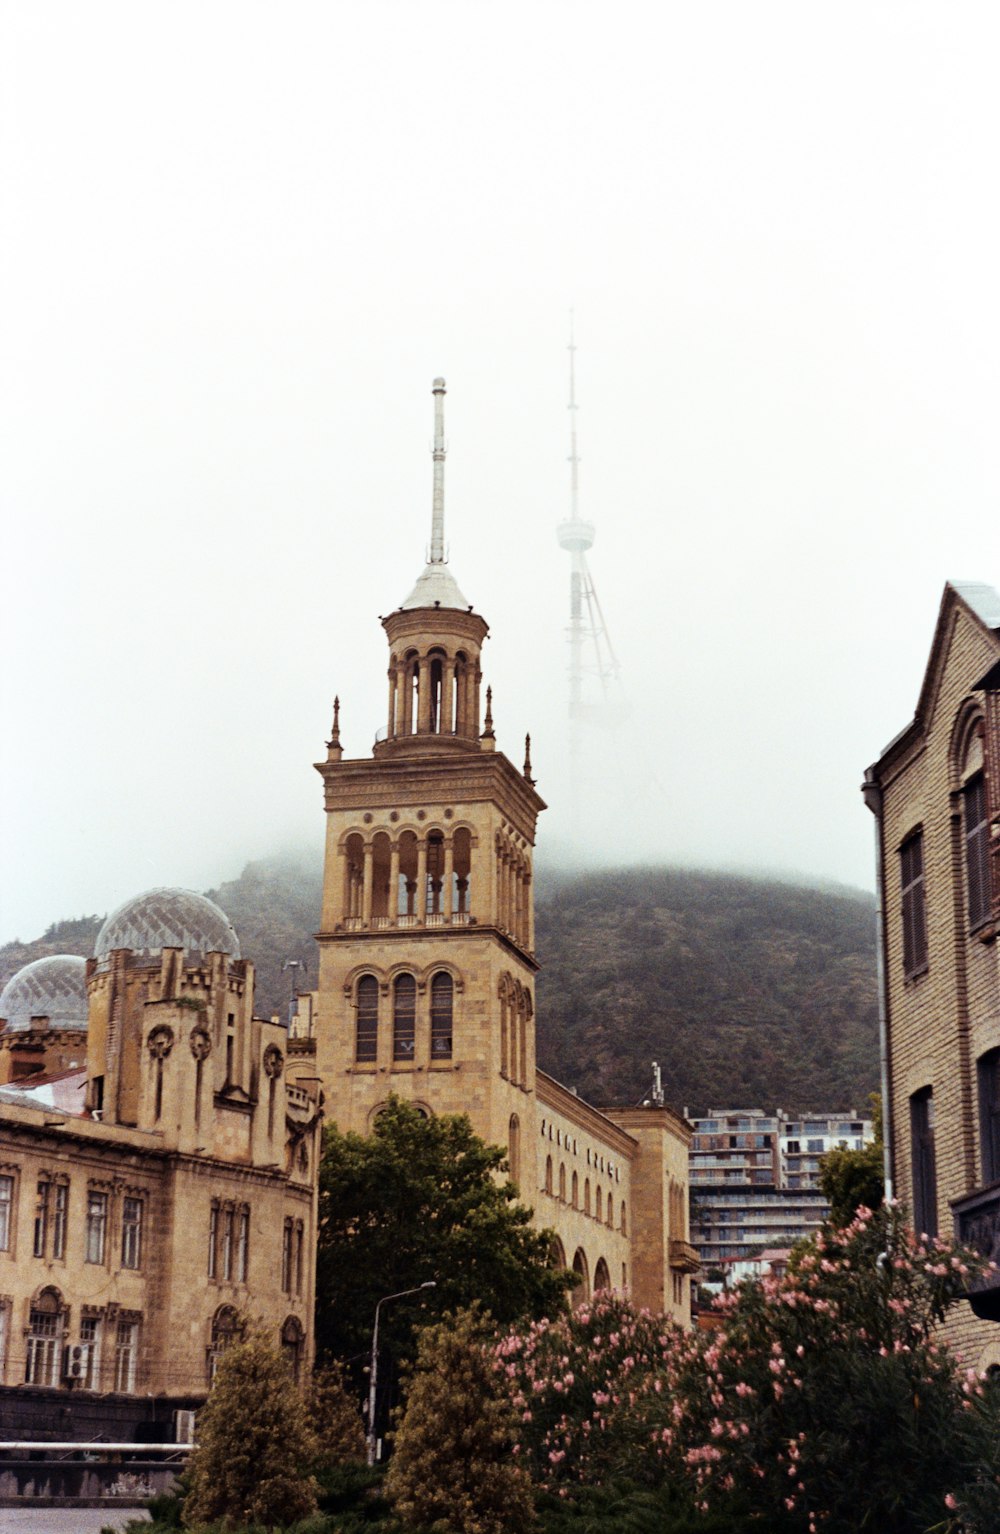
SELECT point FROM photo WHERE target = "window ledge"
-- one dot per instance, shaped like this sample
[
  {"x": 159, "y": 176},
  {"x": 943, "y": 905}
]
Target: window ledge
[
  {"x": 985, "y": 931},
  {"x": 914, "y": 975}
]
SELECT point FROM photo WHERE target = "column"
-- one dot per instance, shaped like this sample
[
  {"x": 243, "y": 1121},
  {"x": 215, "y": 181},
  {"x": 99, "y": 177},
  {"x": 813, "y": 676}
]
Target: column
[
  {"x": 406, "y": 683},
  {"x": 422, "y": 881},
  {"x": 449, "y": 876},
  {"x": 366, "y": 899},
  {"x": 448, "y": 697},
  {"x": 424, "y": 696},
  {"x": 393, "y": 882},
  {"x": 393, "y": 694}
]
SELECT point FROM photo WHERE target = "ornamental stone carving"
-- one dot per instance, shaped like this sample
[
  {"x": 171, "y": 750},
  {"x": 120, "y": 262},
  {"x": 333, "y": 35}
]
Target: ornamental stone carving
[
  {"x": 274, "y": 1061},
  {"x": 161, "y": 1042}
]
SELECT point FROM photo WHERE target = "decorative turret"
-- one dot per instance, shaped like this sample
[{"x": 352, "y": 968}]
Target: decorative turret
[{"x": 435, "y": 641}]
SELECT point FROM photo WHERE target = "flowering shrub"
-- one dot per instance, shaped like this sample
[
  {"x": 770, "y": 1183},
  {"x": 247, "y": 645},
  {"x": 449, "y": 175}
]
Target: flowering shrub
[{"x": 823, "y": 1403}]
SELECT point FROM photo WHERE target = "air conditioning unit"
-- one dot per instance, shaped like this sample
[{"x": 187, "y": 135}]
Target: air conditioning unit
[
  {"x": 184, "y": 1427},
  {"x": 73, "y": 1363}
]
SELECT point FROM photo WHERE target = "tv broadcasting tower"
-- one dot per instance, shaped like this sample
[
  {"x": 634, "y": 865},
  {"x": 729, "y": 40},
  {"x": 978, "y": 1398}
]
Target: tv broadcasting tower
[{"x": 595, "y": 691}]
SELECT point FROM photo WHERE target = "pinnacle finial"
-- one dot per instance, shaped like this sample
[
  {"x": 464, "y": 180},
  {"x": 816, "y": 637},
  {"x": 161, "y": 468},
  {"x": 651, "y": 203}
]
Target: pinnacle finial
[
  {"x": 527, "y": 760},
  {"x": 488, "y": 724},
  {"x": 437, "y": 505},
  {"x": 334, "y": 750}
]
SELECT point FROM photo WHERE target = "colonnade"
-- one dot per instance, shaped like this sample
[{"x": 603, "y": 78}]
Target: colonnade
[
  {"x": 434, "y": 694},
  {"x": 513, "y": 892}
]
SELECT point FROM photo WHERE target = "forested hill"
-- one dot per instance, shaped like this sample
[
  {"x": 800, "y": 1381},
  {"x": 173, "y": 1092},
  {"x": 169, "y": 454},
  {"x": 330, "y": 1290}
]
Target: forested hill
[{"x": 748, "y": 992}]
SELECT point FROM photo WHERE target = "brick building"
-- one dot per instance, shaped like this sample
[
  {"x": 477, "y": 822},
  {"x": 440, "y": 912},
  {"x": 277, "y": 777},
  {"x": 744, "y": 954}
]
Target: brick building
[{"x": 935, "y": 792}]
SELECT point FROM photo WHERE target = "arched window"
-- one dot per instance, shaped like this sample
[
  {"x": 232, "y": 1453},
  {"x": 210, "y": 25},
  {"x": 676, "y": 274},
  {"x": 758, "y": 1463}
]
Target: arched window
[
  {"x": 442, "y": 1003},
  {"x": 598, "y": 1203},
  {"x": 436, "y": 699},
  {"x": 624, "y": 1219},
  {"x": 576, "y": 1190},
  {"x": 548, "y": 1174},
  {"x": 292, "y": 1343},
  {"x": 602, "y": 1278},
  {"x": 582, "y": 1290},
  {"x": 557, "y": 1253},
  {"x": 366, "y": 1035},
  {"x": 404, "y": 1017},
  {"x": 461, "y": 871},
  {"x": 514, "y": 1148},
  {"x": 226, "y": 1329},
  {"x": 504, "y": 1030},
  {"x": 44, "y": 1343},
  {"x": 354, "y": 877},
  {"x": 435, "y": 872},
  {"x": 562, "y": 1181},
  {"x": 586, "y": 1196},
  {"x": 611, "y": 1211}
]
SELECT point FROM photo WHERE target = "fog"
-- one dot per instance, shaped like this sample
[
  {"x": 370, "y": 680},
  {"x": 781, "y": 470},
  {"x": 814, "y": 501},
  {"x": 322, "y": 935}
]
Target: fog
[{"x": 239, "y": 242}]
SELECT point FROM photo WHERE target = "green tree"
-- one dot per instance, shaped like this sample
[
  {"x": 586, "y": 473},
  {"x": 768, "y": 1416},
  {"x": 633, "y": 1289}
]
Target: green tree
[
  {"x": 422, "y": 1199},
  {"x": 454, "y": 1469},
  {"x": 254, "y": 1444},
  {"x": 855, "y": 1179},
  {"x": 335, "y": 1419}
]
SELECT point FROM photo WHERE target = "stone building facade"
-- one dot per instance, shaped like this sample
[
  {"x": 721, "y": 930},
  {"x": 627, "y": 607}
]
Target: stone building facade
[
  {"x": 935, "y": 792},
  {"x": 427, "y": 957},
  {"x": 141, "y": 1230}
]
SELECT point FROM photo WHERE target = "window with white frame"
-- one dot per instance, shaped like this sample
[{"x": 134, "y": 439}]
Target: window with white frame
[
  {"x": 43, "y": 1354},
  {"x": 90, "y": 1352},
  {"x": 97, "y": 1225},
  {"x": 131, "y": 1232},
  {"x": 126, "y": 1350},
  {"x": 6, "y": 1212}
]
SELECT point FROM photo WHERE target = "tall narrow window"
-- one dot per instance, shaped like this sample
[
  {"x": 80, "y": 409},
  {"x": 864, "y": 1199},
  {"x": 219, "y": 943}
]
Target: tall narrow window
[
  {"x": 132, "y": 1233},
  {"x": 126, "y": 1341},
  {"x": 97, "y": 1225},
  {"x": 911, "y": 857},
  {"x": 442, "y": 1001},
  {"x": 90, "y": 1349},
  {"x": 6, "y": 1210},
  {"x": 404, "y": 1017},
  {"x": 42, "y": 1217},
  {"x": 924, "y": 1168},
  {"x": 44, "y": 1342},
  {"x": 514, "y": 1148},
  {"x": 366, "y": 1047},
  {"x": 213, "y": 1241},
  {"x": 227, "y": 1244},
  {"x": 242, "y": 1245},
  {"x": 60, "y": 1209},
  {"x": 977, "y": 849},
  {"x": 299, "y": 1250},
  {"x": 286, "y": 1257},
  {"x": 989, "y": 1114}
]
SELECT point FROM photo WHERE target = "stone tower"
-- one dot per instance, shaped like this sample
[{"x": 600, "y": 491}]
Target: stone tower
[{"x": 427, "y": 964}]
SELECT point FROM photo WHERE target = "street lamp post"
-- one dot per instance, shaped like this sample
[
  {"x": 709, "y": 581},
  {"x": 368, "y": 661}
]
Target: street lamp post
[{"x": 373, "y": 1372}]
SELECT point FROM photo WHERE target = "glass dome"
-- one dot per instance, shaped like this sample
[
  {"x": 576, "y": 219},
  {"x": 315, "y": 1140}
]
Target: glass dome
[
  {"x": 55, "y": 988},
  {"x": 168, "y": 918}
]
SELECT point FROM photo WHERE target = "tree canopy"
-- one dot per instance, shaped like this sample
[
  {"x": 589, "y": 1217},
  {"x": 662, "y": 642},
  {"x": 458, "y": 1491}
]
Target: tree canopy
[
  {"x": 422, "y": 1199},
  {"x": 855, "y": 1179}
]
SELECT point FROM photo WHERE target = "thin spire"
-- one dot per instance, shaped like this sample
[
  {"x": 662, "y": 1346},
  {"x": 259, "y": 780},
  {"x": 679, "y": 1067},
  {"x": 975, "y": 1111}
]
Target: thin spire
[
  {"x": 334, "y": 750},
  {"x": 437, "y": 510},
  {"x": 527, "y": 760},
  {"x": 488, "y": 723}
]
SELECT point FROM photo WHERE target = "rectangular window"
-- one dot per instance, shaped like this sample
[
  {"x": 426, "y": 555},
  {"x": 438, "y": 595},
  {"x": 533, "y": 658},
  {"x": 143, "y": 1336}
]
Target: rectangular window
[
  {"x": 132, "y": 1233},
  {"x": 6, "y": 1211},
  {"x": 227, "y": 1244},
  {"x": 366, "y": 1040},
  {"x": 792, "y": 1147},
  {"x": 286, "y": 1258},
  {"x": 90, "y": 1352},
  {"x": 97, "y": 1225},
  {"x": 60, "y": 1207},
  {"x": 41, "y": 1217},
  {"x": 924, "y": 1169},
  {"x": 977, "y": 850},
  {"x": 213, "y": 1240},
  {"x": 299, "y": 1242},
  {"x": 988, "y": 1071},
  {"x": 242, "y": 1246},
  {"x": 44, "y": 1344},
  {"x": 911, "y": 858},
  {"x": 126, "y": 1341}
]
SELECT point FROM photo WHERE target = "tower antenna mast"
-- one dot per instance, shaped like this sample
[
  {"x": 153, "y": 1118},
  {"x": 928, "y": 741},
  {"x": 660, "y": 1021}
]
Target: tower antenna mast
[{"x": 591, "y": 654}]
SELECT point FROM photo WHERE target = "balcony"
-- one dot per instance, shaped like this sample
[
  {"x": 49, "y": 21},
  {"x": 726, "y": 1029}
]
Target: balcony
[
  {"x": 684, "y": 1257},
  {"x": 407, "y": 920},
  {"x": 977, "y": 1225}
]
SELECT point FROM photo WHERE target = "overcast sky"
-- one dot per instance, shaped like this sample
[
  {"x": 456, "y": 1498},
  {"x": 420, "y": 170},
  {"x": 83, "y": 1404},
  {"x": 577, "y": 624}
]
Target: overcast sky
[{"x": 239, "y": 241}]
